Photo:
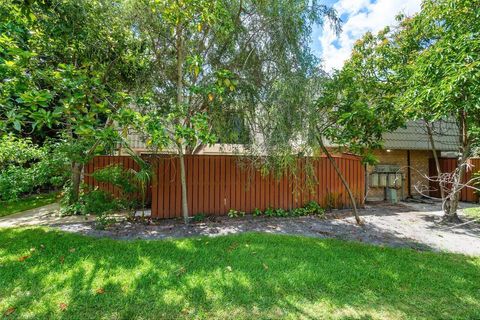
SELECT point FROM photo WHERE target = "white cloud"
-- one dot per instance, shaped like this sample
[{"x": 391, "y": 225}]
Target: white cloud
[{"x": 362, "y": 16}]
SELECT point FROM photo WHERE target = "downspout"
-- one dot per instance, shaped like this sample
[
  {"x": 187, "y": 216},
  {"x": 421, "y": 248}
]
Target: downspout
[{"x": 409, "y": 175}]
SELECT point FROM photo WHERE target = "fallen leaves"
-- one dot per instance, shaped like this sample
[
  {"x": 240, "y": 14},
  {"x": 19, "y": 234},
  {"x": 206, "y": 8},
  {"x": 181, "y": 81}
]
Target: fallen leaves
[
  {"x": 229, "y": 268},
  {"x": 71, "y": 250},
  {"x": 62, "y": 259},
  {"x": 9, "y": 311},
  {"x": 63, "y": 306},
  {"x": 100, "y": 291},
  {"x": 180, "y": 271},
  {"x": 232, "y": 247},
  {"x": 23, "y": 258}
]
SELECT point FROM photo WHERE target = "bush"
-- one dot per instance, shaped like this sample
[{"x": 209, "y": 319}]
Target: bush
[
  {"x": 96, "y": 202},
  {"x": 26, "y": 168},
  {"x": 117, "y": 176}
]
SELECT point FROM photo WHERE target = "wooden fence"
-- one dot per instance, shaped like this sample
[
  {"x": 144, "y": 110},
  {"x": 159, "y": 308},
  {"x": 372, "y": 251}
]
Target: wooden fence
[
  {"x": 101, "y": 162},
  {"x": 449, "y": 165},
  {"x": 216, "y": 184}
]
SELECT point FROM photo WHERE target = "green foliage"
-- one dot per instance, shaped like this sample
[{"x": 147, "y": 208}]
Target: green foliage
[
  {"x": 232, "y": 213},
  {"x": 257, "y": 212},
  {"x": 199, "y": 217},
  {"x": 311, "y": 208},
  {"x": 97, "y": 202},
  {"x": 26, "y": 168},
  {"x": 118, "y": 177}
]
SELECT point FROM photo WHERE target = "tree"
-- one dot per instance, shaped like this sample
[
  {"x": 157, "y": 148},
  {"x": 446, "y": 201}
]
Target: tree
[
  {"x": 69, "y": 66},
  {"x": 429, "y": 63},
  {"x": 212, "y": 59}
]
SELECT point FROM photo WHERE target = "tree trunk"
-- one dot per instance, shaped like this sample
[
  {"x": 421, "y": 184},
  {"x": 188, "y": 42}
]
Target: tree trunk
[
  {"x": 76, "y": 178},
  {"x": 183, "y": 178},
  {"x": 180, "y": 101},
  {"x": 437, "y": 165},
  {"x": 452, "y": 215},
  {"x": 342, "y": 178}
]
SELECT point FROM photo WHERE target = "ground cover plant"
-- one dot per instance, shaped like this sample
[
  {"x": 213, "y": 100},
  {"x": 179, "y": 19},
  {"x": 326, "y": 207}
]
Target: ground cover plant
[
  {"x": 472, "y": 213},
  {"x": 50, "y": 274}
]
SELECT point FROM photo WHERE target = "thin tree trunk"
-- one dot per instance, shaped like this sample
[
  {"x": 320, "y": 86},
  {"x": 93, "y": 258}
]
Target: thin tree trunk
[
  {"x": 180, "y": 101},
  {"x": 76, "y": 178},
  {"x": 342, "y": 178},
  {"x": 452, "y": 215},
  {"x": 77, "y": 168},
  {"x": 183, "y": 178},
  {"x": 437, "y": 165}
]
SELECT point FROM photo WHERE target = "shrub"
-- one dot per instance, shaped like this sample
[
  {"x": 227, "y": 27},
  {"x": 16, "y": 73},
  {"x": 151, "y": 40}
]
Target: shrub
[
  {"x": 96, "y": 202},
  {"x": 99, "y": 202},
  {"x": 117, "y": 176},
  {"x": 26, "y": 168}
]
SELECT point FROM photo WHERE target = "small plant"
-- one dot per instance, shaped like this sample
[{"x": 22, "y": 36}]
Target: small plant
[
  {"x": 298, "y": 212},
  {"x": 199, "y": 217},
  {"x": 232, "y": 213},
  {"x": 331, "y": 199},
  {"x": 313, "y": 208},
  {"x": 103, "y": 221},
  {"x": 257, "y": 212},
  {"x": 269, "y": 212}
]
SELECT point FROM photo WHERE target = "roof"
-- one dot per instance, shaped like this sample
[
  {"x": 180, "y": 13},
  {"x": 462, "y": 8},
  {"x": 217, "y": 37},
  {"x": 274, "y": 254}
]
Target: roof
[{"x": 414, "y": 136}]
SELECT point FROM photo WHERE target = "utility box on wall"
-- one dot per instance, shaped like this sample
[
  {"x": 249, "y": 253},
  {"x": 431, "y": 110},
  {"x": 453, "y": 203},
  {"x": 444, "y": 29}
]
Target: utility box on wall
[
  {"x": 382, "y": 180},
  {"x": 390, "y": 179}
]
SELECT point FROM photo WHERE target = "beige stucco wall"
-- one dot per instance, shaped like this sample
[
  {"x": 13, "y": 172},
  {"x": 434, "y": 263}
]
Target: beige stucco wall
[{"x": 419, "y": 169}]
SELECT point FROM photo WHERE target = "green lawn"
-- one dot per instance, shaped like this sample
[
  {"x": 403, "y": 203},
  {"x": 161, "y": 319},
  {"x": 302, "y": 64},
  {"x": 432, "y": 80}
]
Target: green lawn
[
  {"x": 473, "y": 213},
  {"x": 48, "y": 274},
  {"x": 34, "y": 201}
]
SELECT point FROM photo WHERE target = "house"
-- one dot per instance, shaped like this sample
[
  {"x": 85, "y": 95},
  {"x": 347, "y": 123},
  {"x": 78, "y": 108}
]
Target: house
[{"x": 408, "y": 151}]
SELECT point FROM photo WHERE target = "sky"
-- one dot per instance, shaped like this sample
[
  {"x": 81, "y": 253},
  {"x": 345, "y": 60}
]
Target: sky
[{"x": 358, "y": 17}]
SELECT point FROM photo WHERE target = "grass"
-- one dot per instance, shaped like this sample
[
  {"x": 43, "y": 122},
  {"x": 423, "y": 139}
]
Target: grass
[
  {"x": 47, "y": 274},
  {"x": 30, "y": 202},
  {"x": 472, "y": 213}
]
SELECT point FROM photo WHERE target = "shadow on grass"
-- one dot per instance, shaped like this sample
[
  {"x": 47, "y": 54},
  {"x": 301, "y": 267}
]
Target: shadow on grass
[{"x": 243, "y": 276}]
